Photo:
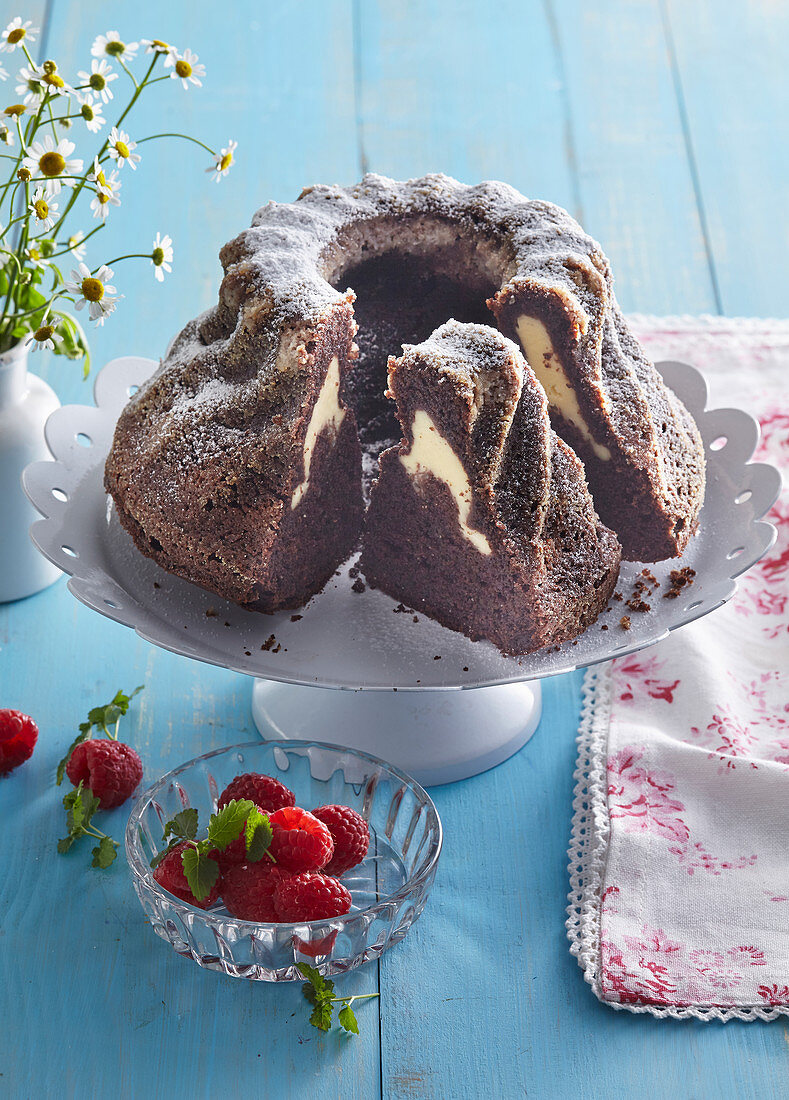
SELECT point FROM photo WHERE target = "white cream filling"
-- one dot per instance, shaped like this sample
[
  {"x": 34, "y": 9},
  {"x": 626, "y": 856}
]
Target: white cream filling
[
  {"x": 547, "y": 365},
  {"x": 430, "y": 453},
  {"x": 326, "y": 416}
]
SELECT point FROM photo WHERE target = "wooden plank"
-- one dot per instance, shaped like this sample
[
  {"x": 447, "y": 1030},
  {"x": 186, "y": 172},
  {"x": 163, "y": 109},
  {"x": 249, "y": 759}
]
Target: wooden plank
[
  {"x": 87, "y": 991},
  {"x": 731, "y": 71}
]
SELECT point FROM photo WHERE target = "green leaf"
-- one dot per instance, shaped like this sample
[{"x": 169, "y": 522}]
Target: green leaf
[
  {"x": 104, "y": 853},
  {"x": 75, "y": 808},
  {"x": 65, "y": 843},
  {"x": 347, "y": 1020},
  {"x": 229, "y": 822},
  {"x": 157, "y": 859},
  {"x": 183, "y": 825},
  {"x": 320, "y": 1016},
  {"x": 258, "y": 834},
  {"x": 84, "y": 729},
  {"x": 316, "y": 980},
  {"x": 98, "y": 716},
  {"x": 201, "y": 871}
]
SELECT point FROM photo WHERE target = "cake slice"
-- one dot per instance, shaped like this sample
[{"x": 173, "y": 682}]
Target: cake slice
[{"x": 481, "y": 517}]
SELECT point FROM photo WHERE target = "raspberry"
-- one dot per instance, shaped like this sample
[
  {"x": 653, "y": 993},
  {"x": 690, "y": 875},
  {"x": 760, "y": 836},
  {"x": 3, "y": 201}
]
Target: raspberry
[
  {"x": 236, "y": 852},
  {"x": 18, "y": 736},
  {"x": 263, "y": 790},
  {"x": 300, "y": 842},
  {"x": 170, "y": 875},
  {"x": 111, "y": 769},
  {"x": 248, "y": 890},
  {"x": 350, "y": 835},
  {"x": 310, "y": 896}
]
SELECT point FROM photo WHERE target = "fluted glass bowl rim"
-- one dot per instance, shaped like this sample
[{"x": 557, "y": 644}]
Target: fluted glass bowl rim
[{"x": 142, "y": 872}]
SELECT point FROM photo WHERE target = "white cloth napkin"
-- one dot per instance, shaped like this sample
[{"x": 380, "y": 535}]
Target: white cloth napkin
[{"x": 679, "y": 859}]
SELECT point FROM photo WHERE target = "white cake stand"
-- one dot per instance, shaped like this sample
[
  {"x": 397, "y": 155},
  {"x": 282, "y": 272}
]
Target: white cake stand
[{"x": 400, "y": 674}]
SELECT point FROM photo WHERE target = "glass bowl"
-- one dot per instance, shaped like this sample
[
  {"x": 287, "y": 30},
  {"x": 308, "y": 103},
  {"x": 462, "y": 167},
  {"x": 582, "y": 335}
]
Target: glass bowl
[{"x": 389, "y": 888}]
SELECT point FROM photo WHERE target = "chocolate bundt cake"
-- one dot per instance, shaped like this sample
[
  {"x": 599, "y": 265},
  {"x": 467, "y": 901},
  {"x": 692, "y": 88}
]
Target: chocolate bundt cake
[
  {"x": 481, "y": 517},
  {"x": 237, "y": 465}
]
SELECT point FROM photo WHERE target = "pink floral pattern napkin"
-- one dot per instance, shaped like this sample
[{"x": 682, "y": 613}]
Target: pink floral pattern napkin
[{"x": 680, "y": 850}]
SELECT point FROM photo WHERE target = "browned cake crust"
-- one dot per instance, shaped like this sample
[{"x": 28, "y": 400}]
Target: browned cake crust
[
  {"x": 208, "y": 469},
  {"x": 507, "y": 546}
]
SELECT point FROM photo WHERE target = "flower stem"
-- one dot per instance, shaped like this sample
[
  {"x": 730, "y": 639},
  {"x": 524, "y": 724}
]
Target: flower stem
[{"x": 185, "y": 137}]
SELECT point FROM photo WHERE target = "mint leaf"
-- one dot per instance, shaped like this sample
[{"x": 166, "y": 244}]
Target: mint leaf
[
  {"x": 317, "y": 982},
  {"x": 183, "y": 825},
  {"x": 104, "y": 853},
  {"x": 229, "y": 822},
  {"x": 100, "y": 717},
  {"x": 201, "y": 871},
  {"x": 320, "y": 1016},
  {"x": 84, "y": 730},
  {"x": 75, "y": 809},
  {"x": 347, "y": 1020},
  {"x": 65, "y": 844},
  {"x": 258, "y": 835}
]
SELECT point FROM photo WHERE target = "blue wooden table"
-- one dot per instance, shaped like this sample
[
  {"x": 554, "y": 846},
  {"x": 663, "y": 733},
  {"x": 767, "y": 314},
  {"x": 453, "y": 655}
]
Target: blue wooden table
[{"x": 662, "y": 125}]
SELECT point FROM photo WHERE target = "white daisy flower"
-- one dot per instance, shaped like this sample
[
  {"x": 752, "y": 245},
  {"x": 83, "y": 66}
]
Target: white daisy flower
[
  {"x": 162, "y": 256},
  {"x": 43, "y": 210},
  {"x": 155, "y": 45},
  {"x": 121, "y": 148},
  {"x": 15, "y": 33},
  {"x": 52, "y": 161},
  {"x": 94, "y": 291},
  {"x": 36, "y": 256},
  {"x": 30, "y": 86},
  {"x": 110, "y": 44},
  {"x": 185, "y": 68},
  {"x": 6, "y": 133},
  {"x": 91, "y": 112},
  {"x": 75, "y": 246},
  {"x": 223, "y": 161},
  {"x": 45, "y": 335},
  {"x": 98, "y": 79},
  {"x": 107, "y": 188}
]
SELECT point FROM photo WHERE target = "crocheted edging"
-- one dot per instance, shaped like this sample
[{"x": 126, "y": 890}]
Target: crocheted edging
[{"x": 588, "y": 853}]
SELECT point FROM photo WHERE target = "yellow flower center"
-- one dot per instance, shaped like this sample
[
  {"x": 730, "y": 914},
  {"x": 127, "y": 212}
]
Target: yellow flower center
[
  {"x": 23, "y": 174},
  {"x": 123, "y": 149},
  {"x": 102, "y": 179},
  {"x": 15, "y": 110},
  {"x": 43, "y": 333},
  {"x": 92, "y": 289},
  {"x": 225, "y": 162},
  {"x": 16, "y": 35},
  {"x": 115, "y": 48},
  {"x": 52, "y": 164},
  {"x": 159, "y": 45},
  {"x": 183, "y": 68},
  {"x": 34, "y": 254},
  {"x": 102, "y": 197},
  {"x": 42, "y": 209},
  {"x": 54, "y": 80},
  {"x": 73, "y": 242},
  {"x": 158, "y": 256},
  {"x": 87, "y": 112},
  {"x": 97, "y": 82},
  {"x": 49, "y": 67}
]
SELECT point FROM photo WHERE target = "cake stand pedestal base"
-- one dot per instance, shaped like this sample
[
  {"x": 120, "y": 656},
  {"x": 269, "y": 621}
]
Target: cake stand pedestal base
[{"x": 435, "y": 736}]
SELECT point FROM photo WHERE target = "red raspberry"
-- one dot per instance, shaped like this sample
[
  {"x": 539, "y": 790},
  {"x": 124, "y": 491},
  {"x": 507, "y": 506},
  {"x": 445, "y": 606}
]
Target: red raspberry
[
  {"x": 236, "y": 852},
  {"x": 248, "y": 890},
  {"x": 111, "y": 769},
  {"x": 300, "y": 842},
  {"x": 263, "y": 790},
  {"x": 350, "y": 835},
  {"x": 18, "y": 736},
  {"x": 310, "y": 897},
  {"x": 170, "y": 875}
]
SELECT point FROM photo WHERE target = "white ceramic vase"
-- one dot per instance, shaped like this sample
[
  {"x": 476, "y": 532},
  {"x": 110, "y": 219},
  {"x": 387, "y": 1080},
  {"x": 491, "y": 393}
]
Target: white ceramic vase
[{"x": 25, "y": 403}]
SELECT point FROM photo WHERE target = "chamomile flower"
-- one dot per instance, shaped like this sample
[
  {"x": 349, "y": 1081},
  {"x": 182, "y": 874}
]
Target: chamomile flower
[
  {"x": 16, "y": 33},
  {"x": 185, "y": 68},
  {"x": 30, "y": 87},
  {"x": 36, "y": 257},
  {"x": 162, "y": 256},
  {"x": 91, "y": 112},
  {"x": 51, "y": 79},
  {"x": 99, "y": 79},
  {"x": 43, "y": 210},
  {"x": 223, "y": 161},
  {"x": 110, "y": 44},
  {"x": 45, "y": 335},
  {"x": 106, "y": 194},
  {"x": 93, "y": 291},
  {"x": 76, "y": 247},
  {"x": 121, "y": 148},
  {"x": 52, "y": 161},
  {"x": 6, "y": 133},
  {"x": 155, "y": 45}
]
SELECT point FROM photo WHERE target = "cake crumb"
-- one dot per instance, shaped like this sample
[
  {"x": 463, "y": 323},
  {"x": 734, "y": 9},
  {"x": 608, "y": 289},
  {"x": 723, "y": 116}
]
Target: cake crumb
[
  {"x": 353, "y": 571},
  {"x": 436, "y": 658},
  {"x": 276, "y": 648},
  {"x": 679, "y": 579},
  {"x": 295, "y": 618},
  {"x": 156, "y": 584},
  {"x": 269, "y": 643},
  {"x": 604, "y": 626},
  {"x": 227, "y": 624},
  {"x": 465, "y": 668},
  {"x": 358, "y": 585},
  {"x": 247, "y": 653},
  {"x": 211, "y": 612},
  {"x": 624, "y": 622},
  {"x": 416, "y": 618},
  {"x": 618, "y": 596}
]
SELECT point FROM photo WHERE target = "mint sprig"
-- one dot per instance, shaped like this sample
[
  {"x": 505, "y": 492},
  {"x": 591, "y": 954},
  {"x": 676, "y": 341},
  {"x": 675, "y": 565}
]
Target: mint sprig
[
  {"x": 239, "y": 817},
  {"x": 100, "y": 718},
  {"x": 319, "y": 991},
  {"x": 80, "y": 805}
]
